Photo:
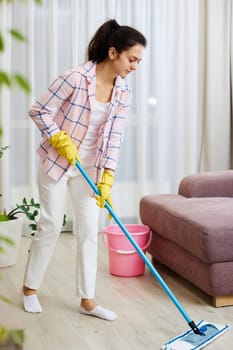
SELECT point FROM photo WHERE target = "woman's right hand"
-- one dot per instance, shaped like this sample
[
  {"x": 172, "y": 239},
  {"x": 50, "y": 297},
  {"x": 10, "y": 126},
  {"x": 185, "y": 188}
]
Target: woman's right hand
[{"x": 65, "y": 146}]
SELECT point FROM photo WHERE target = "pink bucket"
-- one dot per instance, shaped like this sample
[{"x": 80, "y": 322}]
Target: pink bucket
[{"x": 124, "y": 260}]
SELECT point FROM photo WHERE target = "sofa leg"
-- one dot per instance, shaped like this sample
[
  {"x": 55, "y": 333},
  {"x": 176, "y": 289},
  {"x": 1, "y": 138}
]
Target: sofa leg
[{"x": 222, "y": 300}]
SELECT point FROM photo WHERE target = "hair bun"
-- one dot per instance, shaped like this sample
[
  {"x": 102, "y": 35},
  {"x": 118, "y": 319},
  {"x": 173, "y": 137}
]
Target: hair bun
[{"x": 114, "y": 25}]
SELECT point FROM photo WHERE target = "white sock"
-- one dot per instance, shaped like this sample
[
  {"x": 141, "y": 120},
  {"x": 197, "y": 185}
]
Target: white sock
[
  {"x": 100, "y": 312},
  {"x": 31, "y": 303}
]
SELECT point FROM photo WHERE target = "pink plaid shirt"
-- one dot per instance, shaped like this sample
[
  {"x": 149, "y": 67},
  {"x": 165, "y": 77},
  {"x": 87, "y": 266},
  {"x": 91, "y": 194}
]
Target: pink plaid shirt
[{"x": 66, "y": 105}]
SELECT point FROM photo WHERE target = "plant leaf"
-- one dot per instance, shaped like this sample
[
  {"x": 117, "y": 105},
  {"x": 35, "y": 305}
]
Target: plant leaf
[
  {"x": 2, "y": 149},
  {"x": 18, "y": 336},
  {"x": 1, "y": 43},
  {"x": 30, "y": 216},
  {"x": 17, "y": 35},
  {"x": 5, "y": 79},
  {"x": 25, "y": 208},
  {"x": 23, "y": 83},
  {"x": 64, "y": 220},
  {"x": 4, "y": 335},
  {"x": 6, "y": 300}
]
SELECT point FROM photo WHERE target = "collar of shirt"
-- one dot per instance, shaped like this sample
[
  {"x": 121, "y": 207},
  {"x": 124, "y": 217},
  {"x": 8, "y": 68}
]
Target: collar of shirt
[{"x": 88, "y": 69}]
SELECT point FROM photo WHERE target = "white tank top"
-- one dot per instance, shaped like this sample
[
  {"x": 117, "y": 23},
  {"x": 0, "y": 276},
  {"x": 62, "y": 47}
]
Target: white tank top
[{"x": 87, "y": 150}]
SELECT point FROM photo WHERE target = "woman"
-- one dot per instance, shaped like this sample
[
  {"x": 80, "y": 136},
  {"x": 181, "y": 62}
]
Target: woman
[{"x": 81, "y": 116}]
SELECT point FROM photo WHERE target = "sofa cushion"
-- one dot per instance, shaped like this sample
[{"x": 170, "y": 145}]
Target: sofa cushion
[
  {"x": 208, "y": 184},
  {"x": 202, "y": 226}
]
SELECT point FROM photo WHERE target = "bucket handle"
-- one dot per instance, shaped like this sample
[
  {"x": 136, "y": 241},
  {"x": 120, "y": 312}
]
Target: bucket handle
[{"x": 126, "y": 252}]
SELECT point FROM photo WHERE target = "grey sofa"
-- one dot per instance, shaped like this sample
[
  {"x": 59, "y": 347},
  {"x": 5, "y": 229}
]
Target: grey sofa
[{"x": 193, "y": 232}]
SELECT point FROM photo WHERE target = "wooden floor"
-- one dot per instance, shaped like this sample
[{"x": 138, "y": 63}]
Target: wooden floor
[{"x": 146, "y": 316}]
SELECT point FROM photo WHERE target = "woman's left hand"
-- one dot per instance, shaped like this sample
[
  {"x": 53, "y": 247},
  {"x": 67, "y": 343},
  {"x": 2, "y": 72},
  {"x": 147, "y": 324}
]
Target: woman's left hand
[{"x": 105, "y": 188}]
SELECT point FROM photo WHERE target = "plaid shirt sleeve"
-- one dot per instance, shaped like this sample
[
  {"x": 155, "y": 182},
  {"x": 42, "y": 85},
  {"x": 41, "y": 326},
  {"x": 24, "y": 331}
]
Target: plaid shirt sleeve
[{"x": 44, "y": 110}]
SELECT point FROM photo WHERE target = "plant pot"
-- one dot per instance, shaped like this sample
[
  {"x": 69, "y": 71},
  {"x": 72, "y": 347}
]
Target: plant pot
[{"x": 11, "y": 229}]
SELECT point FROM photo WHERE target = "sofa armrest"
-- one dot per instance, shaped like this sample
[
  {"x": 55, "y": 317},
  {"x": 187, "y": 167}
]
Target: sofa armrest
[{"x": 207, "y": 184}]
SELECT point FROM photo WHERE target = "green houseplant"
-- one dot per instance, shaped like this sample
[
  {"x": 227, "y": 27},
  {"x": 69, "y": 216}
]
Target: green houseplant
[
  {"x": 29, "y": 209},
  {"x": 11, "y": 229}
]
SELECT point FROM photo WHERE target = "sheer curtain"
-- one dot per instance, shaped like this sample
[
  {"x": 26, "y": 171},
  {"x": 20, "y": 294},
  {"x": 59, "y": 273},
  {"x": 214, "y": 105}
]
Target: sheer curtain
[
  {"x": 215, "y": 84},
  {"x": 180, "y": 118}
]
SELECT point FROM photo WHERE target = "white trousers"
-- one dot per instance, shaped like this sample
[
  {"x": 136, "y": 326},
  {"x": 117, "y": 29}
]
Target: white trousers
[{"x": 86, "y": 214}]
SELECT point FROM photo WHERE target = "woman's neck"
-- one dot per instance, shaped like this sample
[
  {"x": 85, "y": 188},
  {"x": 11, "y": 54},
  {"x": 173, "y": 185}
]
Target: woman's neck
[
  {"x": 105, "y": 79},
  {"x": 104, "y": 73}
]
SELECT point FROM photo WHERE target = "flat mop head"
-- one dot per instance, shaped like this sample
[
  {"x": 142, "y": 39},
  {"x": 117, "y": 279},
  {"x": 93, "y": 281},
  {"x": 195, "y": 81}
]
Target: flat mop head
[{"x": 191, "y": 341}]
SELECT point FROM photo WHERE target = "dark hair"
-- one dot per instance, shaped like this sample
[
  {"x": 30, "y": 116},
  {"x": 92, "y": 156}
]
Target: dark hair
[{"x": 111, "y": 34}]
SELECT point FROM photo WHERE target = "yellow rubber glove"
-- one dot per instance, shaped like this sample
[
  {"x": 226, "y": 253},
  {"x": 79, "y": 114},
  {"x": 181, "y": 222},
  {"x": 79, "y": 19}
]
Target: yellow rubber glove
[
  {"x": 65, "y": 146},
  {"x": 105, "y": 188}
]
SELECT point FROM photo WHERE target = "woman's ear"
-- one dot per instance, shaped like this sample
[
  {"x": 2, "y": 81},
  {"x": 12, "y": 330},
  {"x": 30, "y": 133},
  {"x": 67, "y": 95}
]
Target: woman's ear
[{"x": 112, "y": 53}]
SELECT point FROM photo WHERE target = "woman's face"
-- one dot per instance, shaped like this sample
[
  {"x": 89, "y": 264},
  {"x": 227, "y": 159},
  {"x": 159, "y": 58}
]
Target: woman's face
[{"x": 127, "y": 61}]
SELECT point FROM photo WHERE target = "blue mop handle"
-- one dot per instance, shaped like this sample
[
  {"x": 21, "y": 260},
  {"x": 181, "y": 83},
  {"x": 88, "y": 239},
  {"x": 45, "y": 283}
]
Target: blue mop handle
[{"x": 136, "y": 246}]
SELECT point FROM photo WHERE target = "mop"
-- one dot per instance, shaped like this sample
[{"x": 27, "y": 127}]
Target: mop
[{"x": 201, "y": 333}]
